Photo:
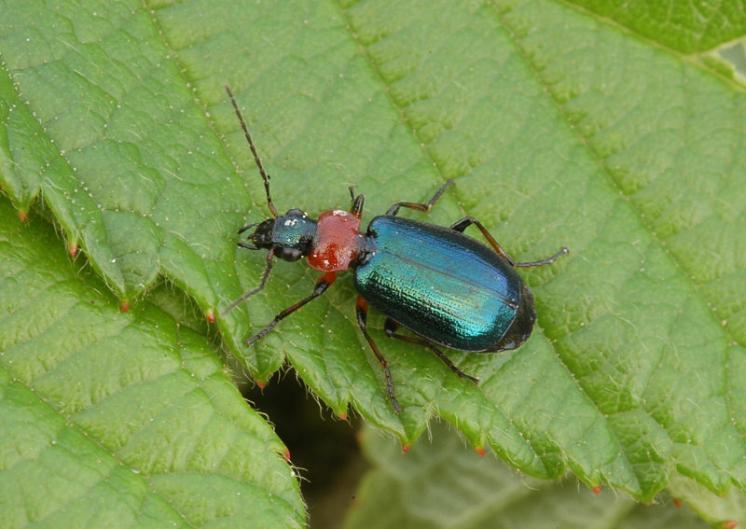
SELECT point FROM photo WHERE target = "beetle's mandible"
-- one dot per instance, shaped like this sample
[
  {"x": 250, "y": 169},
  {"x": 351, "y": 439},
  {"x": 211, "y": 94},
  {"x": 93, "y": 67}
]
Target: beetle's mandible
[{"x": 452, "y": 291}]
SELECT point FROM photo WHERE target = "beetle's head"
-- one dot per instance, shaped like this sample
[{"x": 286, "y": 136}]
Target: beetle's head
[{"x": 289, "y": 236}]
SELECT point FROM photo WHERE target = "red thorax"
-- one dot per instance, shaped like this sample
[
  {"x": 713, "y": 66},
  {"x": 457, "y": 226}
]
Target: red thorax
[{"x": 337, "y": 242}]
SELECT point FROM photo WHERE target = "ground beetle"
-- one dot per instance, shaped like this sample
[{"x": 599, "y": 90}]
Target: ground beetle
[{"x": 447, "y": 288}]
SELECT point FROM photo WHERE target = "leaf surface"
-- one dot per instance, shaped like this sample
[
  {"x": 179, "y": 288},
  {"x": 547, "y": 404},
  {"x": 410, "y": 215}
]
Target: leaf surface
[
  {"x": 120, "y": 420},
  {"x": 560, "y": 128}
]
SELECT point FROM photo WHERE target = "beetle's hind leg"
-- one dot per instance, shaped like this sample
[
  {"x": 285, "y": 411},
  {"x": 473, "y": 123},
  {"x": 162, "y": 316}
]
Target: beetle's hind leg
[
  {"x": 426, "y": 206},
  {"x": 462, "y": 224},
  {"x": 361, "y": 309},
  {"x": 390, "y": 327}
]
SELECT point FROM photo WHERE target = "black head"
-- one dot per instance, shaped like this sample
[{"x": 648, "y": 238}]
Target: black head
[{"x": 289, "y": 236}]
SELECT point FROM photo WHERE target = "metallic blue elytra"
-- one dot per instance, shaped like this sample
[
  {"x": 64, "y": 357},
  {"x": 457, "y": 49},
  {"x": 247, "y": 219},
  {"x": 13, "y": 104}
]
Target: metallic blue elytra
[{"x": 443, "y": 285}]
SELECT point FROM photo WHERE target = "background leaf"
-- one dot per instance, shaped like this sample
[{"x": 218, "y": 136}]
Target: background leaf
[
  {"x": 559, "y": 127},
  {"x": 120, "y": 420},
  {"x": 683, "y": 26},
  {"x": 442, "y": 484}
]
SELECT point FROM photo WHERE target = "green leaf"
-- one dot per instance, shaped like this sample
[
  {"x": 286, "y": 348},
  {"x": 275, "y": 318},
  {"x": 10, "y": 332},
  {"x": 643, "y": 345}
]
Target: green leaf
[
  {"x": 683, "y": 26},
  {"x": 441, "y": 484},
  {"x": 560, "y": 128},
  {"x": 120, "y": 420}
]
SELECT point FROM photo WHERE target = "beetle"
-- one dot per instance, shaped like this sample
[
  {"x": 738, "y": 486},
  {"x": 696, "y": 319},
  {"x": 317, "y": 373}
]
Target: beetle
[{"x": 448, "y": 289}]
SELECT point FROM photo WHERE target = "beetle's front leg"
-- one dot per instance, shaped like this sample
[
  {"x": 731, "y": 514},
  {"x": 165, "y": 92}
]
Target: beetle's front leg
[
  {"x": 321, "y": 286},
  {"x": 421, "y": 206}
]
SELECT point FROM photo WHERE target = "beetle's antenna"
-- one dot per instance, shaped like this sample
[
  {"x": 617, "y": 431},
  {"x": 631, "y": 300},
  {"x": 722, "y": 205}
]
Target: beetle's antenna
[{"x": 258, "y": 161}]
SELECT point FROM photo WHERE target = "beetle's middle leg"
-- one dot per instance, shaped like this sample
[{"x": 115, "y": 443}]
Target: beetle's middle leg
[
  {"x": 426, "y": 206},
  {"x": 361, "y": 307},
  {"x": 390, "y": 326},
  {"x": 464, "y": 223}
]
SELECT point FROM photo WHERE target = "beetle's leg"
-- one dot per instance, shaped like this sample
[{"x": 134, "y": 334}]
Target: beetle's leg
[
  {"x": 321, "y": 286},
  {"x": 357, "y": 202},
  {"x": 464, "y": 223},
  {"x": 390, "y": 326},
  {"x": 427, "y": 206},
  {"x": 547, "y": 261},
  {"x": 262, "y": 284},
  {"x": 361, "y": 307}
]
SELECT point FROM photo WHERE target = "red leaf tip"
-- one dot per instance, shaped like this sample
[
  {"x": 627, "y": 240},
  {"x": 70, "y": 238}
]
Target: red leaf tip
[
  {"x": 124, "y": 305},
  {"x": 597, "y": 489},
  {"x": 677, "y": 502},
  {"x": 480, "y": 450},
  {"x": 286, "y": 454},
  {"x": 72, "y": 249},
  {"x": 210, "y": 317},
  {"x": 22, "y": 215},
  {"x": 342, "y": 415},
  {"x": 405, "y": 447},
  {"x": 261, "y": 384},
  {"x": 729, "y": 524}
]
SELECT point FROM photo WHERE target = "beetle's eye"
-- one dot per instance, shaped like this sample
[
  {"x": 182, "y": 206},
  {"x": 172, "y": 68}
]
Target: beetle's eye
[
  {"x": 289, "y": 254},
  {"x": 295, "y": 212}
]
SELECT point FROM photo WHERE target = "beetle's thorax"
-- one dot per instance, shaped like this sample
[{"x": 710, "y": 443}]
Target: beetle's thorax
[{"x": 338, "y": 241}]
